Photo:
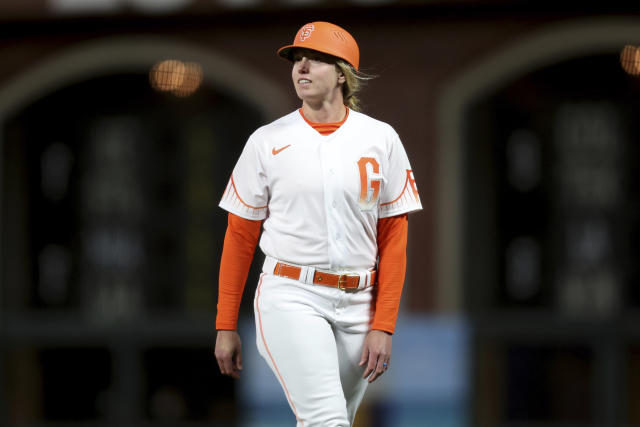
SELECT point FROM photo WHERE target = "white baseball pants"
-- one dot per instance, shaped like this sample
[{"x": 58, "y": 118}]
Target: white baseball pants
[{"x": 312, "y": 337}]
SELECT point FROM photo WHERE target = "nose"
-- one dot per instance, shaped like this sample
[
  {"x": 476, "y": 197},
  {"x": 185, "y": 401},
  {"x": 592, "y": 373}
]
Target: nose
[{"x": 303, "y": 64}]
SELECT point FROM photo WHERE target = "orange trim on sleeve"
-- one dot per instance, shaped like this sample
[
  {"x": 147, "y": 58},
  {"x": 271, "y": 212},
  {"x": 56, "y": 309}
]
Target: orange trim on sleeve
[
  {"x": 233, "y": 184},
  {"x": 240, "y": 243},
  {"x": 406, "y": 184},
  {"x": 392, "y": 252}
]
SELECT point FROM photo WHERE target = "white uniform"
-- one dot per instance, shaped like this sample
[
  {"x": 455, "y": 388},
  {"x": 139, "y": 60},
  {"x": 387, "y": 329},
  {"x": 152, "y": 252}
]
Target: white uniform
[{"x": 320, "y": 198}]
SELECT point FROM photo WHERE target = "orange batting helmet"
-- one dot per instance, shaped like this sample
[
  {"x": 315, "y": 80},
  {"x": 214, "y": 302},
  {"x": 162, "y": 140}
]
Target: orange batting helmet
[{"x": 326, "y": 38}]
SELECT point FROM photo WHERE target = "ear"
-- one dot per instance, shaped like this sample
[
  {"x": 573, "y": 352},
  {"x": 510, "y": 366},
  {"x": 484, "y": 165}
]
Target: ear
[{"x": 341, "y": 77}]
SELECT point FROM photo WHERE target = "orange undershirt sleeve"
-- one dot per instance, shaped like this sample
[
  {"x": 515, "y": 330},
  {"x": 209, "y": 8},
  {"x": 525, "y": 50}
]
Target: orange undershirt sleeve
[
  {"x": 392, "y": 263},
  {"x": 240, "y": 243}
]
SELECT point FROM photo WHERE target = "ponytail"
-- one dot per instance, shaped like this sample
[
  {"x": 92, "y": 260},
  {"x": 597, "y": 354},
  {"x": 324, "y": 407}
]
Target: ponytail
[{"x": 354, "y": 81}]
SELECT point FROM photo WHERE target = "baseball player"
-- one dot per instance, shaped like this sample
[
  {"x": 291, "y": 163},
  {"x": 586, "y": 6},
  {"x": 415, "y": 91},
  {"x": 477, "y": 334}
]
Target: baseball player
[{"x": 331, "y": 189}]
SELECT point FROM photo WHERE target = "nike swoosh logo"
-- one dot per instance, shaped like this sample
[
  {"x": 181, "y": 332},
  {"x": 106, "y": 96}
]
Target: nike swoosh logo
[{"x": 274, "y": 151}]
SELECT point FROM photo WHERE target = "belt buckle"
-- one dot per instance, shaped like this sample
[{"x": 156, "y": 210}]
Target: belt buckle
[{"x": 342, "y": 279}]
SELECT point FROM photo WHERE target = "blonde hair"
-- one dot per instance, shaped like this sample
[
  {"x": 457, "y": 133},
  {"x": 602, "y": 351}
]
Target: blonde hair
[{"x": 354, "y": 81}]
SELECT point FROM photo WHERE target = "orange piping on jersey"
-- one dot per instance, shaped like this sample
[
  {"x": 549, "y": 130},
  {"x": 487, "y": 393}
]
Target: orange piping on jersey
[
  {"x": 240, "y": 198},
  {"x": 412, "y": 181},
  {"x": 264, "y": 341},
  {"x": 413, "y": 186}
]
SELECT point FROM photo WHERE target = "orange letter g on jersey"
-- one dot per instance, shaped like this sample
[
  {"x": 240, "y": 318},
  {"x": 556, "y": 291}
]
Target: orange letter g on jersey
[{"x": 369, "y": 182}]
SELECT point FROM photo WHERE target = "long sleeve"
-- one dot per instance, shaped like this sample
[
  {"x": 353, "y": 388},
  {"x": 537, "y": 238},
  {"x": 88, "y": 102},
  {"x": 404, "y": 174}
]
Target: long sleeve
[
  {"x": 240, "y": 243},
  {"x": 392, "y": 252}
]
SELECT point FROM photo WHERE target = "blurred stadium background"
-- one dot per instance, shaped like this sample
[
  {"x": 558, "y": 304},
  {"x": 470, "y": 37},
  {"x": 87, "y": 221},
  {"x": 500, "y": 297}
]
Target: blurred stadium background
[{"x": 120, "y": 122}]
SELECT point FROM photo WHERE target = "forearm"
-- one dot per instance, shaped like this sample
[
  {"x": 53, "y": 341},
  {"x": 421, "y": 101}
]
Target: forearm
[
  {"x": 392, "y": 253},
  {"x": 240, "y": 243}
]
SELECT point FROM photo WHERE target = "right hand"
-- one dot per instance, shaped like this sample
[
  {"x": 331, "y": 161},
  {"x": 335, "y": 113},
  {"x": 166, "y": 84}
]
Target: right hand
[{"x": 229, "y": 353}]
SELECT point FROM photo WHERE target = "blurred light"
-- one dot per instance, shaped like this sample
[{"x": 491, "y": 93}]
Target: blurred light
[
  {"x": 84, "y": 6},
  {"x": 239, "y": 3},
  {"x": 372, "y": 2},
  {"x": 167, "y": 75},
  {"x": 180, "y": 78},
  {"x": 589, "y": 242},
  {"x": 299, "y": 2},
  {"x": 630, "y": 60},
  {"x": 191, "y": 80},
  {"x": 159, "y": 6},
  {"x": 110, "y": 6}
]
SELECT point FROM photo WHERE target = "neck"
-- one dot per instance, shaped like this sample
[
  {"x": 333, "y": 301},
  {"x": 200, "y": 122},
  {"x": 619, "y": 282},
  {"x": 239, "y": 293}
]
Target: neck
[{"x": 325, "y": 112}]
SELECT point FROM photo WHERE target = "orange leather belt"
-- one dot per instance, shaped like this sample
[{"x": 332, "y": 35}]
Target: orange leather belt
[{"x": 342, "y": 281}]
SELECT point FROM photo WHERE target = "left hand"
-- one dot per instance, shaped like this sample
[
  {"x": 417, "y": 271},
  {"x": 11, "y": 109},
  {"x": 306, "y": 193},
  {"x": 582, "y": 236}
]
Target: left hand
[{"x": 376, "y": 354}]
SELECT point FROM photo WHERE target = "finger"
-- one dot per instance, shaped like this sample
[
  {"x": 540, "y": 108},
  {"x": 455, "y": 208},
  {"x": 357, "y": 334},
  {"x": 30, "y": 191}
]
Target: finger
[
  {"x": 236, "y": 365},
  {"x": 364, "y": 357},
  {"x": 380, "y": 368},
  {"x": 231, "y": 371},
  {"x": 235, "y": 374},
  {"x": 226, "y": 365},
  {"x": 221, "y": 365},
  {"x": 239, "y": 361},
  {"x": 371, "y": 366}
]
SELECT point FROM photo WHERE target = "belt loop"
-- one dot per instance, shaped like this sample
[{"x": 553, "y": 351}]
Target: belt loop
[
  {"x": 303, "y": 274},
  {"x": 363, "y": 280},
  {"x": 269, "y": 265},
  {"x": 309, "y": 274}
]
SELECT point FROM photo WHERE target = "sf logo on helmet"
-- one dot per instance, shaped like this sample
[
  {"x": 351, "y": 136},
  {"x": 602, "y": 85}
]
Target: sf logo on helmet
[{"x": 305, "y": 32}]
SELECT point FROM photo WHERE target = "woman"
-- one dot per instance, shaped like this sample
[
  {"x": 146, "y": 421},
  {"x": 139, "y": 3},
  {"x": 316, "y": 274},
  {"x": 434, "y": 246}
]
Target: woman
[{"x": 331, "y": 188}]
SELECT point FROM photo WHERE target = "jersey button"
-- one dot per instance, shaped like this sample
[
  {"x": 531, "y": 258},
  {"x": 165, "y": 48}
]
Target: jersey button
[{"x": 334, "y": 204}]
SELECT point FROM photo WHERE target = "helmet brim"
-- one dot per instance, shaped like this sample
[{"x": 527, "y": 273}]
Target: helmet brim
[{"x": 287, "y": 51}]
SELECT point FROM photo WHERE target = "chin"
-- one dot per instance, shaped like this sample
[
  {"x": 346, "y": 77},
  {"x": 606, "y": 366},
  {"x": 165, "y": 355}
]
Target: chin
[{"x": 306, "y": 96}]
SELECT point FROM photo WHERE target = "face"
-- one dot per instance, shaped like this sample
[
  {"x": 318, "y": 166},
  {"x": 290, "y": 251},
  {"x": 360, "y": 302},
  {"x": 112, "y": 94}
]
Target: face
[{"x": 315, "y": 76}]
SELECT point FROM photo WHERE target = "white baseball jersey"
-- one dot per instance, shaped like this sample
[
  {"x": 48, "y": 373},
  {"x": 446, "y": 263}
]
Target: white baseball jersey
[{"x": 321, "y": 196}]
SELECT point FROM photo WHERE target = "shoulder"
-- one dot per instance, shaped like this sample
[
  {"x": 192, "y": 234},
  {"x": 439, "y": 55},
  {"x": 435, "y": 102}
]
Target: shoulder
[
  {"x": 283, "y": 124},
  {"x": 374, "y": 125},
  {"x": 263, "y": 138},
  {"x": 377, "y": 132}
]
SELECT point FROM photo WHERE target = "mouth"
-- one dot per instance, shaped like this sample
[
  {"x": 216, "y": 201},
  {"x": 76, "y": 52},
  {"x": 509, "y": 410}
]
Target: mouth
[{"x": 303, "y": 81}]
